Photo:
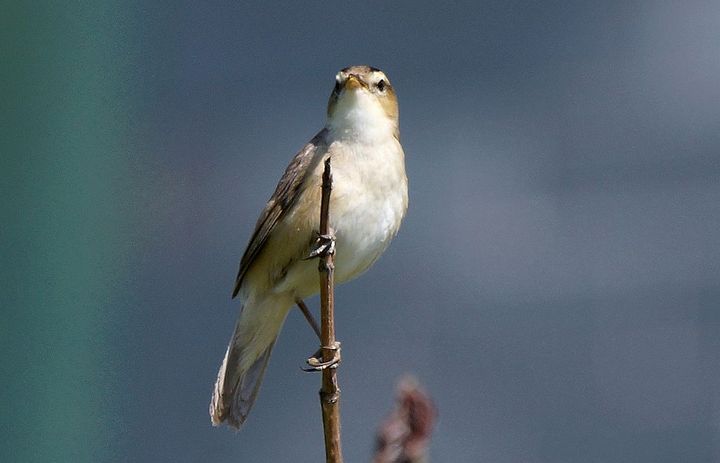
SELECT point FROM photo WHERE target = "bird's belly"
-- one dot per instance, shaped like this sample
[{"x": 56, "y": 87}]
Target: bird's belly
[
  {"x": 362, "y": 233},
  {"x": 366, "y": 207}
]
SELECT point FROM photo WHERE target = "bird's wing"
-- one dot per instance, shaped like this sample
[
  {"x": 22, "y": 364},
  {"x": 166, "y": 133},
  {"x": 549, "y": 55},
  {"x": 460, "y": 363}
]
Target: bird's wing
[{"x": 286, "y": 193}]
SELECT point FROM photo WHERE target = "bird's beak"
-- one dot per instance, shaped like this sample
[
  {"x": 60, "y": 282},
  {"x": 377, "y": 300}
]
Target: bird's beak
[{"x": 353, "y": 82}]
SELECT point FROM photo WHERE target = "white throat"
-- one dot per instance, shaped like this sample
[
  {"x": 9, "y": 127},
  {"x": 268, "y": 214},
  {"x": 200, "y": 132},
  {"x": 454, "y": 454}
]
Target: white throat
[{"x": 359, "y": 116}]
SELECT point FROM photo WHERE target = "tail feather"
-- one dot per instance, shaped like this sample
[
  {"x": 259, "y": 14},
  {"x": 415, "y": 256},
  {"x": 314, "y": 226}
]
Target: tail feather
[
  {"x": 235, "y": 394},
  {"x": 245, "y": 361}
]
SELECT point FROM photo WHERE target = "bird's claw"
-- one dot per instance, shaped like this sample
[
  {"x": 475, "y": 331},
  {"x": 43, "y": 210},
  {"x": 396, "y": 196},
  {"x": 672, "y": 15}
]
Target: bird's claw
[
  {"x": 324, "y": 245},
  {"x": 315, "y": 363}
]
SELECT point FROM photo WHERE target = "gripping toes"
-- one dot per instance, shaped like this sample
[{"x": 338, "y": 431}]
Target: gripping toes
[{"x": 324, "y": 245}]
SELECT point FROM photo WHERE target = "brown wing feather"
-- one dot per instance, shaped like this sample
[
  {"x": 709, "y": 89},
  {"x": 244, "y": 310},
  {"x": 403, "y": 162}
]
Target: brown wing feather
[{"x": 282, "y": 199}]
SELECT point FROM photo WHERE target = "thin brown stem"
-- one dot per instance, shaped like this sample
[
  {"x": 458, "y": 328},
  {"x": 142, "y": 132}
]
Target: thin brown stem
[{"x": 330, "y": 392}]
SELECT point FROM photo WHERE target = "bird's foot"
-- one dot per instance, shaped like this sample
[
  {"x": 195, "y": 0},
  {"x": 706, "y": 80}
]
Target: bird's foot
[
  {"x": 316, "y": 362},
  {"x": 324, "y": 246}
]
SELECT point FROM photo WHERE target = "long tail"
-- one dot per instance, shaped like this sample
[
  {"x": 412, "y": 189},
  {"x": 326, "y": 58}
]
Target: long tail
[{"x": 245, "y": 361}]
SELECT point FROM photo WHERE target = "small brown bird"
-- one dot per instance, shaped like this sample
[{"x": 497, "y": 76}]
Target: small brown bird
[{"x": 368, "y": 202}]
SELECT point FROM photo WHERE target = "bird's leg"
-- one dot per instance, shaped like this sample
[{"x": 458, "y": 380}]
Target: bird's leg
[
  {"x": 315, "y": 363},
  {"x": 324, "y": 245},
  {"x": 308, "y": 316}
]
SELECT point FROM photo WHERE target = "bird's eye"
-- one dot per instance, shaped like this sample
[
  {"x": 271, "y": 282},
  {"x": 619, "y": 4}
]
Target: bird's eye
[
  {"x": 381, "y": 85},
  {"x": 337, "y": 87}
]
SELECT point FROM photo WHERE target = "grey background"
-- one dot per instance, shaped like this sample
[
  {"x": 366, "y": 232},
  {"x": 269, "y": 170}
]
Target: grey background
[{"x": 555, "y": 283}]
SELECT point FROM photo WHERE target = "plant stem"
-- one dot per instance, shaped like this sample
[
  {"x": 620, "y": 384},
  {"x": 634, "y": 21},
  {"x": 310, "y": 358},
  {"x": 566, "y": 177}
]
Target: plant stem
[{"x": 330, "y": 392}]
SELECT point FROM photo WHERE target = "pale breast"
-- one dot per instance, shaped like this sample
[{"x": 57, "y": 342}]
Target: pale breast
[{"x": 368, "y": 202}]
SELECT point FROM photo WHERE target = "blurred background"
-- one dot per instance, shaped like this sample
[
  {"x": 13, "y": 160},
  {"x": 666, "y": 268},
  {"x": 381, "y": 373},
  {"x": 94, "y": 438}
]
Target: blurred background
[{"x": 554, "y": 286}]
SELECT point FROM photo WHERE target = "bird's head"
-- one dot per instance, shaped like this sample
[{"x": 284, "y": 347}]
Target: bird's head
[{"x": 363, "y": 103}]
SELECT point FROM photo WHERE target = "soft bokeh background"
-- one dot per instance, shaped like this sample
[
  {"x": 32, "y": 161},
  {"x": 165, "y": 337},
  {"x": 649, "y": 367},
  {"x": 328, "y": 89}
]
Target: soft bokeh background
[{"x": 555, "y": 285}]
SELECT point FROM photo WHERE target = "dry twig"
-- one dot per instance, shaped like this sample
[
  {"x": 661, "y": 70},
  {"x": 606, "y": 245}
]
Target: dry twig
[{"x": 330, "y": 392}]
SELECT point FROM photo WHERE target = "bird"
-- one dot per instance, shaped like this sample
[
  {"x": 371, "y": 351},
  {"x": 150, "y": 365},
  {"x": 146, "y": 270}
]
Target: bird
[{"x": 368, "y": 202}]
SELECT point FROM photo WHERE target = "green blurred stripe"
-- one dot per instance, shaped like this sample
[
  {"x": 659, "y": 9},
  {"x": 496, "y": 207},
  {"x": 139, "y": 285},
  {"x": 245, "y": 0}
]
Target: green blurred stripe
[{"x": 63, "y": 70}]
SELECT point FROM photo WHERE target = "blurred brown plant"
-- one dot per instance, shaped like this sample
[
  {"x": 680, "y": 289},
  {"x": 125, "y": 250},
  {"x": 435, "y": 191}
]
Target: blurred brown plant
[{"x": 404, "y": 436}]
